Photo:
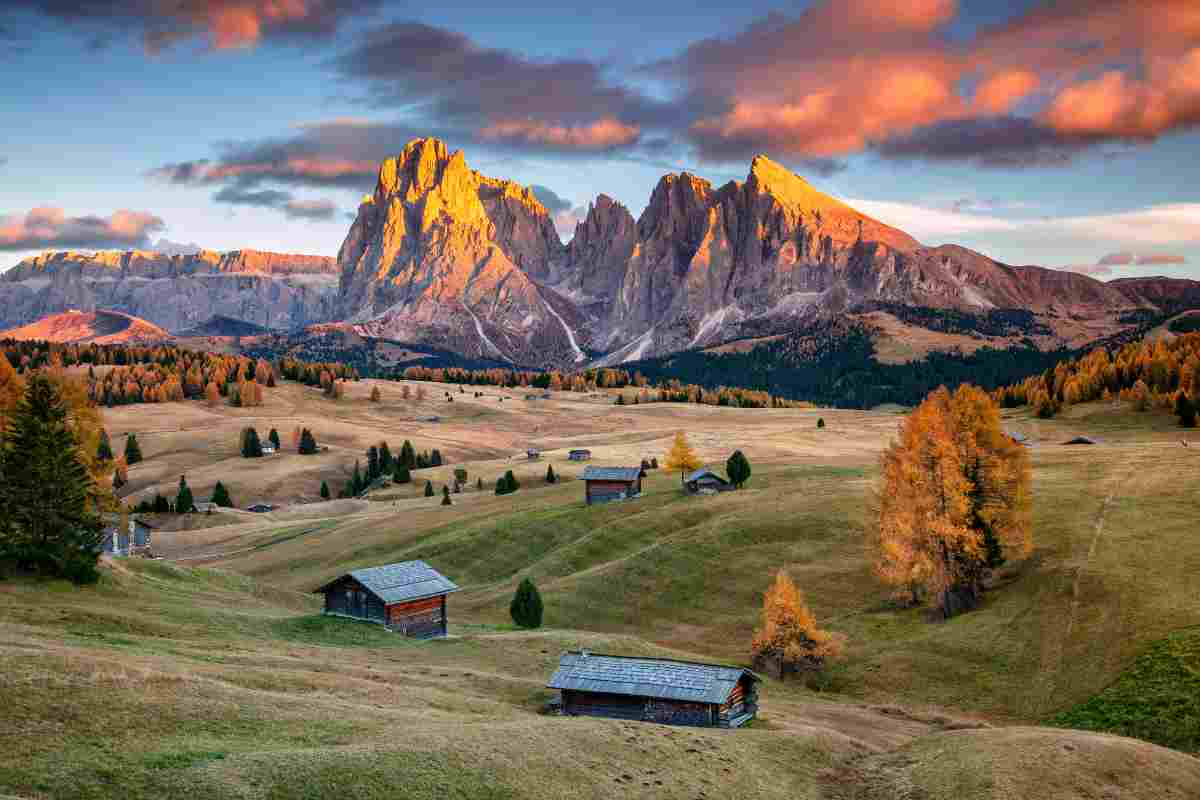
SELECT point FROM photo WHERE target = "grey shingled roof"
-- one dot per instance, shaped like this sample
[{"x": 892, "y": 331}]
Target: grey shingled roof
[
  {"x": 700, "y": 473},
  {"x": 659, "y": 678},
  {"x": 611, "y": 473},
  {"x": 401, "y": 582}
]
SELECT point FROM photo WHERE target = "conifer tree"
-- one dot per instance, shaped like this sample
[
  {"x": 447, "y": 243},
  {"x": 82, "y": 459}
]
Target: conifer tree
[
  {"x": 1185, "y": 409},
  {"x": 273, "y": 437},
  {"x": 372, "y": 463},
  {"x": 408, "y": 456},
  {"x": 251, "y": 445},
  {"x": 356, "y": 480},
  {"x": 308, "y": 444},
  {"x": 49, "y": 522},
  {"x": 479, "y": 484},
  {"x": 385, "y": 459},
  {"x": 435, "y": 458},
  {"x": 220, "y": 496},
  {"x": 400, "y": 474},
  {"x": 550, "y": 476},
  {"x": 429, "y": 488},
  {"x": 184, "y": 504},
  {"x": 446, "y": 495},
  {"x": 324, "y": 490},
  {"x": 789, "y": 635},
  {"x": 133, "y": 451},
  {"x": 820, "y": 422},
  {"x": 374, "y": 394},
  {"x": 737, "y": 467},
  {"x": 104, "y": 450},
  {"x": 526, "y": 606}
]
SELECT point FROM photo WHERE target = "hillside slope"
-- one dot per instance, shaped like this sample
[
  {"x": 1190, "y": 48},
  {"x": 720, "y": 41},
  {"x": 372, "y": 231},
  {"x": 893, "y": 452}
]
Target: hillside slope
[{"x": 90, "y": 327}]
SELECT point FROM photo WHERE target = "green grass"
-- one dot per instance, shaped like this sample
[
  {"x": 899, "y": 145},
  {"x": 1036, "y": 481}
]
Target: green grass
[{"x": 1157, "y": 698}]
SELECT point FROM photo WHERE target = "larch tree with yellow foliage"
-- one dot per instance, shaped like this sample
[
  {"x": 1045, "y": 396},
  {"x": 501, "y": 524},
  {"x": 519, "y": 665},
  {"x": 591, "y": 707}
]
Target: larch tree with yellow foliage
[
  {"x": 954, "y": 501},
  {"x": 789, "y": 639},
  {"x": 682, "y": 457}
]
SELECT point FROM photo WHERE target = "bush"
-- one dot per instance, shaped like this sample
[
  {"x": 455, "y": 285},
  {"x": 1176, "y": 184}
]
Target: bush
[
  {"x": 526, "y": 606},
  {"x": 460, "y": 475},
  {"x": 507, "y": 484}
]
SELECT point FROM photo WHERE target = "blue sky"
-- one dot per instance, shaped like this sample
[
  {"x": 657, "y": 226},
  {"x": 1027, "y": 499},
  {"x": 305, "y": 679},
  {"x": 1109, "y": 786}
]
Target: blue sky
[{"x": 1060, "y": 134}]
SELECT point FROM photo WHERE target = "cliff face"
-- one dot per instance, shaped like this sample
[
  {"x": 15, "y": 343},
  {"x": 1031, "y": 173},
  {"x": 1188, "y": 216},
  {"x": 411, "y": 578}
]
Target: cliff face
[
  {"x": 441, "y": 254},
  {"x": 275, "y": 290}
]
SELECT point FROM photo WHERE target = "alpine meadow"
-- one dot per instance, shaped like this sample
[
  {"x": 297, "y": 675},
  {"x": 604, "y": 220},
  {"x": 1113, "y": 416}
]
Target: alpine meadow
[{"x": 682, "y": 402}]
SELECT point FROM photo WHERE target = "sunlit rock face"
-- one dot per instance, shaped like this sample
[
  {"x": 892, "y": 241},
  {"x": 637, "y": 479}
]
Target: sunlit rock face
[
  {"x": 441, "y": 254},
  {"x": 275, "y": 290}
]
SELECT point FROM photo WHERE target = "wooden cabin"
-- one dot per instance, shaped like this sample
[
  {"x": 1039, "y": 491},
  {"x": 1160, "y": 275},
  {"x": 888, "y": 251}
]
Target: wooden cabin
[
  {"x": 579, "y": 455},
  {"x": 655, "y": 690},
  {"x": 131, "y": 541},
  {"x": 705, "y": 480},
  {"x": 260, "y": 508},
  {"x": 604, "y": 484},
  {"x": 408, "y": 597}
]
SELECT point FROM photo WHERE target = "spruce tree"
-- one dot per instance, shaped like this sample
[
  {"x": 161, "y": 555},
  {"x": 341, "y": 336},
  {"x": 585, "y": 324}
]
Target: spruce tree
[
  {"x": 161, "y": 504},
  {"x": 220, "y": 496},
  {"x": 356, "y": 481},
  {"x": 49, "y": 523},
  {"x": 372, "y": 463},
  {"x": 324, "y": 490},
  {"x": 738, "y": 469},
  {"x": 308, "y": 445},
  {"x": 820, "y": 422},
  {"x": 526, "y": 606},
  {"x": 1185, "y": 409},
  {"x": 408, "y": 456},
  {"x": 479, "y": 484},
  {"x": 133, "y": 452},
  {"x": 251, "y": 445},
  {"x": 435, "y": 458},
  {"x": 550, "y": 476},
  {"x": 429, "y": 488},
  {"x": 385, "y": 459},
  {"x": 401, "y": 474},
  {"x": 273, "y": 436},
  {"x": 446, "y": 495},
  {"x": 104, "y": 449},
  {"x": 184, "y": 504}
]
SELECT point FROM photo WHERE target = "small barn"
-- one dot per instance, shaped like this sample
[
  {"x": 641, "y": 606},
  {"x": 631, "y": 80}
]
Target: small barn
[
  {"x": 579, "y": 455},
  {"x": 705, "y": 480},
  {"x": 533, "y": 454},
  {"x": 603, "y": 484},
  {"x": 131, "y": 541},
  {"x": 260, "y": 508},
  {"x": 655, "y": 690},
  {"x": 408, "y": 597}
]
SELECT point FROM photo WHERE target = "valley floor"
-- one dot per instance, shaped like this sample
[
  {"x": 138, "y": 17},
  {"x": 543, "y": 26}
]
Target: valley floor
[{"x": 211, "y": 673}]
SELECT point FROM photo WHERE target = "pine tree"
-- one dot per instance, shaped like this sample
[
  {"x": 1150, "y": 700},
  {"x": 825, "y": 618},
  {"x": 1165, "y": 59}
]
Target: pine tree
[
  {"x": 737, "y": 467},
  {"x": 308, "y": 444},
  {"x": 133, "y": 451},
  {"x": 356, "y": 481},
  {"x": 435, "y": 458},
  {"x": 385, "y": 459},
  {"x": 372, "y": 463},
  {"x": 408, "y": 456},
  {"x": 400, "y": 474},
  {"x": 104, "y": 450},
  {"x": 479, "y": 484},
  {"x": 273, "y": 437},
  {"x": 526, "y": 606},
  {"x": 374, "y": 394},
  {"x": 820, "y": 422},
  {"x": 324, "y": 490},
  {"x": 49, "y": 523},
  {"x": 550, "y": 476},
  {"x": 251, "y": 446},
  {"x": 446, "y": 495},
  {"x": 429, "y": 488},
  {"x": 220, "y": 496},
  {"x": 1185, "y": 409},
  {"x": 682, "y": 457},
  {"x": 161, "y": 504},
  {"x": 184, "y": 504}
]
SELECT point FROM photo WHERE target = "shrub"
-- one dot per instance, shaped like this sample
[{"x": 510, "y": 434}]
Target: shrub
[{"x": 526, "y": 606}]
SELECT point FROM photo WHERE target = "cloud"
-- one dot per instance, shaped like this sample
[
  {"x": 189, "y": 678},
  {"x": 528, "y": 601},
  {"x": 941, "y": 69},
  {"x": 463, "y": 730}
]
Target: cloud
[
  {"x": 565, "y": 214},
  {"x": 916, "y": 81},
  {"x": 1116, "y": 259},
  {"x": 219, "y": 24},
  {"x": 1160, "y": 259},
  {"x": 1090, "y": 269},
  {"x": 604, "y": 134},
  {"x": 175, "y": 248},
  {"x": 277, "y": 200},
  {"x": 49, "y": 227},
  {"x": 550, "y": 199}
]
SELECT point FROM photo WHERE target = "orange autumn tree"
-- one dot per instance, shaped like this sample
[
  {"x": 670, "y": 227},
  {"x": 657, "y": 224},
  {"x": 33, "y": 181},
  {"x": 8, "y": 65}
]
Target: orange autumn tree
[
  {"x": 789, "y": 638},
  {"x": 682, "y": 457},
  {"x": 954, "y": 501}
]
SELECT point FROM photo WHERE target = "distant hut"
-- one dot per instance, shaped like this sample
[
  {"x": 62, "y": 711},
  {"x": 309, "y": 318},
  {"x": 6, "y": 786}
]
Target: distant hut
[
  {"x": 604, "y": 484},
  {"x": 705, "y": 480},
  {"x": 656, "y": 690},
  {"x": 1081, "y": 440},
  {"x": 533, "y": 454},
  {"x": 260, "y": 508},
  {"x": 408, "y": 597},
  {"x": 130, "y": 540},
  {"x": 579, "y": 455}
]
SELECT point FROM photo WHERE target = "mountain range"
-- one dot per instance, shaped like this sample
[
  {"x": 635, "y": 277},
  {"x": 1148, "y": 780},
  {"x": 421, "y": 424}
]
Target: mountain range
[{"x": 441, "y": 255}]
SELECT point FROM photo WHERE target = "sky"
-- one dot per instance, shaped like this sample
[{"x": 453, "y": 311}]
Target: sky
[{"x": 1062, "y": 133}]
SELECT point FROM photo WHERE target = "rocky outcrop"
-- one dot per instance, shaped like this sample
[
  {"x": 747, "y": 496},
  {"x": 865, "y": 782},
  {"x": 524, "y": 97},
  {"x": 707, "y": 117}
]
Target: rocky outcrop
[
  {"x": 441, "y": 254},
  {"x": 274, "y": 290}
]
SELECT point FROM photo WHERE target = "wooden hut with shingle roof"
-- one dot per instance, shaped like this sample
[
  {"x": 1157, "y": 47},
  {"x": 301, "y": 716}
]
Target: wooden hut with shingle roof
[{"x": 408, "y": 597}]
